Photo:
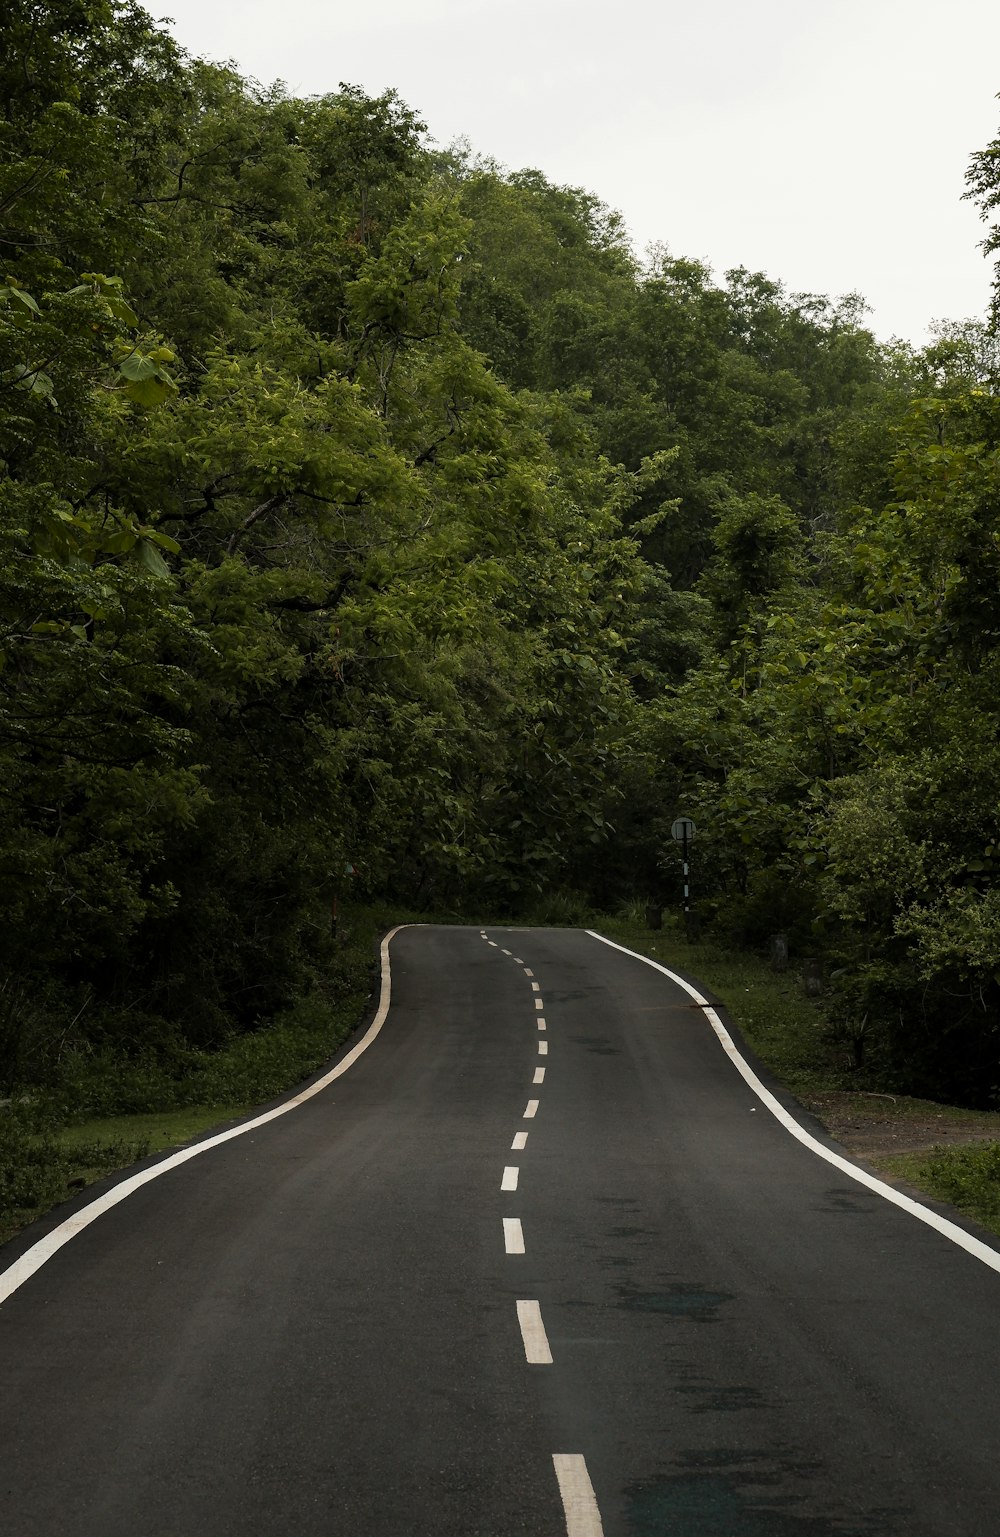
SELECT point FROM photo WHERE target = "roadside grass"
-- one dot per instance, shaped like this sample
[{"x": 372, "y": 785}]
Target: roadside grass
[
  {"x": 968, "y": 1177},
  {"x": 153, "y": 1133}
]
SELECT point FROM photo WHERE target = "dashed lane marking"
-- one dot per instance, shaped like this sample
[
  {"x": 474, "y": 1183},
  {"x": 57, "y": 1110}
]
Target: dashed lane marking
[
  {"x": 513, "y": 1236},
  {"x": 583, "y": 1519},
  {"x": 520, "y": 1142},
  {"x": 530, "y": 1110},
  {"x": 539, "y": 1075},
  {"x": 543, "y": 1048},
  {"x": 509, "y": 1181},
  {"x": 536, "y": 1345}
]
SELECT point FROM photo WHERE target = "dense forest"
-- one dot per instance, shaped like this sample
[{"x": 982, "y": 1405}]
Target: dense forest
[{"x": 375, "y": 520}]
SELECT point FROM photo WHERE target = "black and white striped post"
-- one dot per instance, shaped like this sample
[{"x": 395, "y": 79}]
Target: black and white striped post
[{"x": 682, "y": 832}]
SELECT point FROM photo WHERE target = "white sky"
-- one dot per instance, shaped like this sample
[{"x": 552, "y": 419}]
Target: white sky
[{"x": 824, "y": 142}]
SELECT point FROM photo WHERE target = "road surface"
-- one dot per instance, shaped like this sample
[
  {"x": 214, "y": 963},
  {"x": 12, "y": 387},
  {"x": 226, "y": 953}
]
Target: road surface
[{"x": 539, "y": 1261}]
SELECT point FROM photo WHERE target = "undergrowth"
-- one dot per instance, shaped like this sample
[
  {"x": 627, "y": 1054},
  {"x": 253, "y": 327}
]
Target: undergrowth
[
  {"x": 59, "y": 1136},
  {"x": 968, "y": 1177}
]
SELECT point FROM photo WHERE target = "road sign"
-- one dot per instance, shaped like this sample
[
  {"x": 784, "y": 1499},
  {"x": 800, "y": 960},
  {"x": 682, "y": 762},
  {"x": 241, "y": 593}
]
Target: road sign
[{"x": 683, "y": 830}]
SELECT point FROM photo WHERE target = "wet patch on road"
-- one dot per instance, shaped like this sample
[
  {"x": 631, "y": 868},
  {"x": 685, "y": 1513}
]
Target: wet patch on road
[
  {"x": 721, "y": 1496},
  {"x": 681, "y": 1300},
  {"x": 597, "y": 1044},
  {"x": 850, "y": 1198}
]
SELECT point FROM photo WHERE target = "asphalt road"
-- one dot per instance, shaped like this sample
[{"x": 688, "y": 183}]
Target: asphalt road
[{"x": 325, "y": 1326}]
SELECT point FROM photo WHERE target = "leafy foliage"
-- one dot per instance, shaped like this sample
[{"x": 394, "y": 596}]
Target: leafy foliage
[{"x": 369, "y": 509}]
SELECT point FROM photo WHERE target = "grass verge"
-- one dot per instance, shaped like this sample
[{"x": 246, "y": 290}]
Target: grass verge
[
  {"x": 39, "y": 1170},
  {"x": 968, "y": 1177}
]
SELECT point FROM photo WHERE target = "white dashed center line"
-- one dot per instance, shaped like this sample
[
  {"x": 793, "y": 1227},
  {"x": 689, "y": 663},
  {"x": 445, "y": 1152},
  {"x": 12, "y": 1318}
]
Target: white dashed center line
[
  {"x": 530, "y": 1110},
  {"x": 518, "y": 959},
  {"x": 493, "y": 944},
  {"x": 513, "y": 1236},
  {"x": 583, "y": 1519},
  {"x": 536, "y": 1346},
  {"x": 536, "y": 987},
  {"x": 539, "y": 1075},
  {"x": 543, "y": 1048},
  {"x": 506, "y": 952},
  {"x": 520, "y": 1142},
  {"x": 528, "y": 971},
  {"x": 541, "y": 1024},
  {"x": 509, "y": 1181},
  {"x": 539, "y": 1003}
]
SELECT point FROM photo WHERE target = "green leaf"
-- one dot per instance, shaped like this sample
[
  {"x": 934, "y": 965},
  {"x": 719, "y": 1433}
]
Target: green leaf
[
  {"x": 163, "y": 540},
  {"x": 151, "y": 559},
  {"x": 20, "y": 298},
  {"x": 149, "y": 392},
  {"x": 137, "y": 368},
  {"x": 123, "y": 312},
  {"x": 35, "y": 381},
  {"x": 120, "y": 542}
]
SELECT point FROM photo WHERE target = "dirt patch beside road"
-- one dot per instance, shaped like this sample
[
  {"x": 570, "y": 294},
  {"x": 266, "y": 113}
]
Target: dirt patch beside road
[{"x": 878, "y": 1126}]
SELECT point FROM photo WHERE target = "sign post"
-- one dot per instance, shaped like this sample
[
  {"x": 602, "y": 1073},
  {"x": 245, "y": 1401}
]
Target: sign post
[{"x": 682, "y": 832}]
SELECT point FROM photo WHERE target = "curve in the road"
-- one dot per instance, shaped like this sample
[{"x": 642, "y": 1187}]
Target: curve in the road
[
  {"x": 275, "y": 1328},
  {"x": 949, "y": 1230},
  {"x": 34, "y": 1258}
]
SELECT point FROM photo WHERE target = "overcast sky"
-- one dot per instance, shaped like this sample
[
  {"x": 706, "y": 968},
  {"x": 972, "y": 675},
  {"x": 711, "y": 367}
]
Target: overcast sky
[{"x": 824, "y": 142}]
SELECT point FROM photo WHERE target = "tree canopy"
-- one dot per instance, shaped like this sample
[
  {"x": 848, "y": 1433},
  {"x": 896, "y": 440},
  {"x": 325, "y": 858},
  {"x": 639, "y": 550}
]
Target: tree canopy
[{"x": 367, "y": 508}]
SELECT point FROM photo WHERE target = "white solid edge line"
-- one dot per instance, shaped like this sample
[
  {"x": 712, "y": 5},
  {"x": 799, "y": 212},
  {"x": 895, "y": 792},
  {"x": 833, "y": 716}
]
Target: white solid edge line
[
  {"x": 583, "y": 1519},
  {"x": 950, "y": 1230},
  {"x": 530, "y": 1110},
  {"x": 34, "y": 1258},
  {"x": 536, "y": 1345},
  {"x": 509, "y": 1181},
  {"x": 513, "y": 1236},
  {"x": 520, "y": 1142}
]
